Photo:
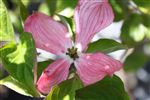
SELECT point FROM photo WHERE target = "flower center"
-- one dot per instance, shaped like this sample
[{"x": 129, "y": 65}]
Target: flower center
[{"x": 72, "y": 53}]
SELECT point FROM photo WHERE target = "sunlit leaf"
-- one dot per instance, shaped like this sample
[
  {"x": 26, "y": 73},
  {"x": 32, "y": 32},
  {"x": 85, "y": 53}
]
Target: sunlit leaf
[
  {"x": 105, "y": 45},
  {"x": 106, "y": 89},
  {"x": 65, "y": 90},
  {"x": 19, "y": 61},
  {"x": 15, "y": 85},
  {"x": 44, "y": 8},
  {"x": 6, "y": 28}
]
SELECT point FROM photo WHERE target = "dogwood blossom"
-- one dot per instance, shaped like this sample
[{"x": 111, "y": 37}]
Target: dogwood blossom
[{"x": 90, "y": 17}]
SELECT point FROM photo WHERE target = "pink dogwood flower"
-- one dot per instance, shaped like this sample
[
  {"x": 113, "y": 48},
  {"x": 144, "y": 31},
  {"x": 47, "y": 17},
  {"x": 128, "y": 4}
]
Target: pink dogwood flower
[{"x": 90, "y": 17}]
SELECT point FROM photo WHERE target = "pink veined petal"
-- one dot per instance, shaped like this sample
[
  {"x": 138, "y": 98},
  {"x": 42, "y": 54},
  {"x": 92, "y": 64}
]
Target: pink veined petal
[
  {"x": 49, "y": 34},
  {"x": 94, "y": 67},
  {"x": 91, "y": 16},
  {"x": 54, "y": 74}
]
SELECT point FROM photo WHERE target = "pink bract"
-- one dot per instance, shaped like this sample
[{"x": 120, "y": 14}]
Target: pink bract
[{"x": 90, "y": 17}]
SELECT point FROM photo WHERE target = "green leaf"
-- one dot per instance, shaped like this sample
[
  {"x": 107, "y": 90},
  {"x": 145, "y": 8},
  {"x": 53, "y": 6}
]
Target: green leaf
[
  {"x": 106, "y": 89},
  {"x": 63, "y": 7},
  {"x": 23, "y": 11},
  {"x": 135, "y": 61},
  {"x": 146, "y": 20},
  {"x": 118, "y": 10},
  {"x": 19, "y": 61},
  {"x": 62, "y": 4},
  {"x": 15, "y": 85},
  {"x": 142, "y": 3},
  {"x": 146, "y": 23},
  {"x": 105, "y": 45},
  {"x": 6, "y": 28},
  {"x": 42, "y": 66},
  {"x": 65, "y": 90},
  {"x": 52, "y": 6},
  {"x": 23, "y": 14}
]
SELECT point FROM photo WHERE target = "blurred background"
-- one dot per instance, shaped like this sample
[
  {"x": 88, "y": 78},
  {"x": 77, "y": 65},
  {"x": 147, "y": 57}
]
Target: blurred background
[{"x": 131, "y": 27}]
